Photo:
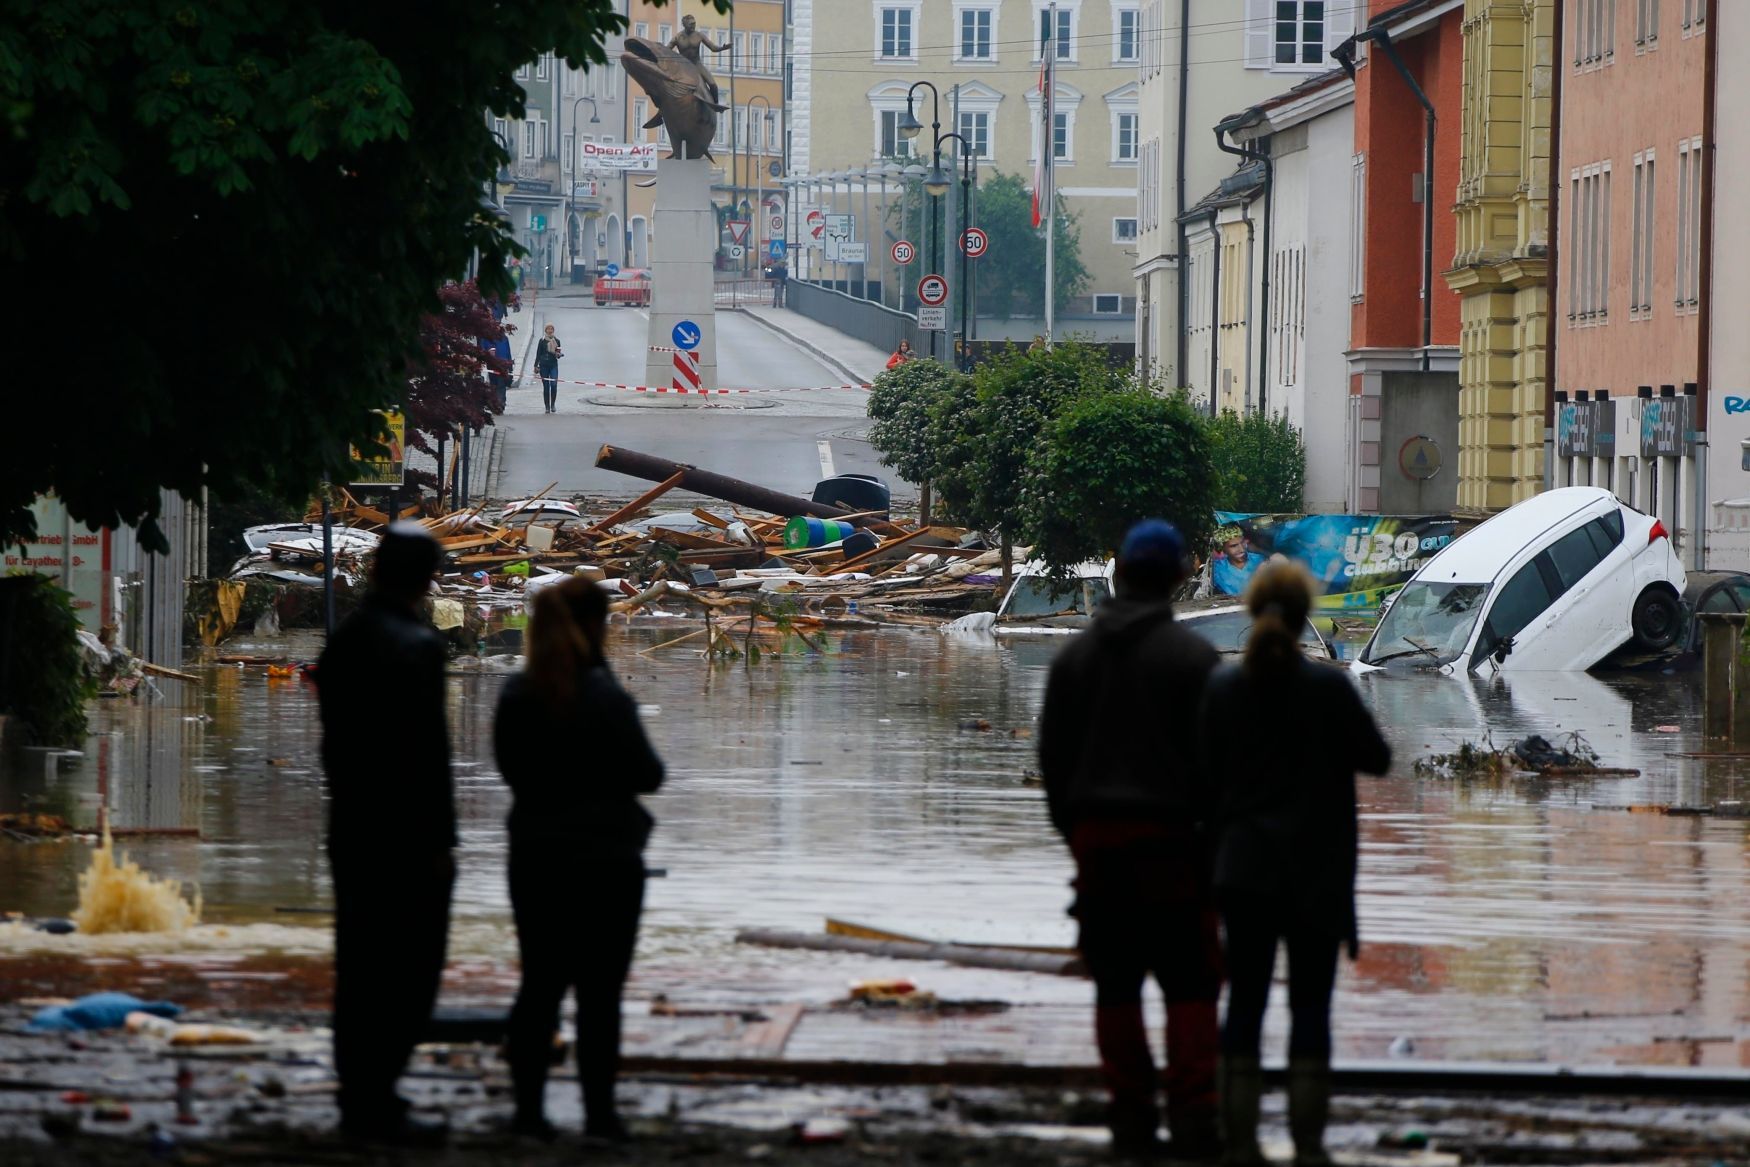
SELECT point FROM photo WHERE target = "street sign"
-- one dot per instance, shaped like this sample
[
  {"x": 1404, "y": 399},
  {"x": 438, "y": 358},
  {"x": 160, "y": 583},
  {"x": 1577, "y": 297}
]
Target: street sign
[
  {"x": 537, "y": 223},
  {"x": 933, "y": 290},
  {"x": 390, "y": 471},
  {"x": 974, "y": 242},
  {"x": 933, "y": 318},
  {"x": 816, "y": 220},
  {"x": 850, "y": 252},
  {"x": 612, "y": 270},
  {"x": 738, "y": 230},
  {"x": 736, "y": 251},
  {"x": 775, "y": 250},
  {"x": 775, "y": 225},
  {"x": 903, "y": 251},
  {"x": 841, "y": 226},
  {"x": 687, "y": 335}
]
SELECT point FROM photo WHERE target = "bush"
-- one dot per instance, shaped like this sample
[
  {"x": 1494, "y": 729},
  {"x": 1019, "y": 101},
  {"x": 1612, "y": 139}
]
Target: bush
[
  {"x": 42, "y": 673},
  {"x": 1109, "y": 460},
  {"x": 901, "y": 403},
  {"x": 1259, "y": 463}
]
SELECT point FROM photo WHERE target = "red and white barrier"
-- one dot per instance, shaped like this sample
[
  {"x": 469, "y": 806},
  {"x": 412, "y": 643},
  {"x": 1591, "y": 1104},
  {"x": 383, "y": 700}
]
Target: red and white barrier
[{"x": 686, "y": 373}]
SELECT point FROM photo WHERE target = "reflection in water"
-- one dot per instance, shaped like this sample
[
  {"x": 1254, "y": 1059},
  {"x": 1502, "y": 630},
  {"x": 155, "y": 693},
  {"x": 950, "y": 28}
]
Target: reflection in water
[{"x": 1512, "y": 919}]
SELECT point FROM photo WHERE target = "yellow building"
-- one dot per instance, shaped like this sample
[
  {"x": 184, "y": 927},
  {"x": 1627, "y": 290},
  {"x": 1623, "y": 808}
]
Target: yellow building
[
  {"x": 749, "y": 147},
  {"x": 1501, "y": 266}
]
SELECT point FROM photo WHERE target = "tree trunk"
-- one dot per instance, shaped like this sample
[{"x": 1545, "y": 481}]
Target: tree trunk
[
  {"x": 924, "y": 504},
  {"x": 1008, "y": 548}
]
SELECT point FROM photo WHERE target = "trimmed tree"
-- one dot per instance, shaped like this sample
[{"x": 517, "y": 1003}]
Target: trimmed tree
[
  {"x": 901, "y": 404},
  {"x": 446, "y": 383},
  {"x": 1109, "y": 460},
  {"x": 1260, "y": 463},
  {"x": 277, "y": 190}
]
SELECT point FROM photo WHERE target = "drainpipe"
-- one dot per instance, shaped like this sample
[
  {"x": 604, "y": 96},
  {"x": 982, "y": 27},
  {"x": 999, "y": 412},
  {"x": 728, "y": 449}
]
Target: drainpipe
[
  {"x": 1554, "y": 269},
  {"x": 1705, "y": 275},
  {"x": 1214, "y": 317},
  {"x": 1345, "y": 54},
  {"x": 1184, "y": 337},
  {"x": 1252, "y": 117}
]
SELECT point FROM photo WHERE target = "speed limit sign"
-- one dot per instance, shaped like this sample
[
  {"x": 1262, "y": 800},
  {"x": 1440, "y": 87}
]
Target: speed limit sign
[
  {"x": 933, "y": 290},
  {"x": 974, "y": 242},
  {"x": 903, "y": 251}
]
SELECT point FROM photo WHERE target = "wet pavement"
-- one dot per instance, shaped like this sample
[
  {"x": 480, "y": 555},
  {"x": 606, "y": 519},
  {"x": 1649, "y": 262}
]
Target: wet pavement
[{"x": 1515, "y": 919}]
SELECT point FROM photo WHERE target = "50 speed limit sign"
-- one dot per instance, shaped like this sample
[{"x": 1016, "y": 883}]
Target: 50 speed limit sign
[
  {"x": 903, "y": 252},
  {"x": 974, "y": 242}
]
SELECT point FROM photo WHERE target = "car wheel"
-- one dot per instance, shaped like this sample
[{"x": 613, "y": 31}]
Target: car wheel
[{"x": 1657, "y": 619}]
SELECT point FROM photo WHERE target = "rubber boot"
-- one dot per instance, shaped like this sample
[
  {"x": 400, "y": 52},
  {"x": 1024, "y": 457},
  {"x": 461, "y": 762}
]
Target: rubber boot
[
  {"x": 1240, "y": 1083},
  {"x": 1309, "y": 1108},
  {"x": 601, "y": 1117},
  {"x": 1129, "y": 1070},
  {"x": 1193, "y": 1123}
]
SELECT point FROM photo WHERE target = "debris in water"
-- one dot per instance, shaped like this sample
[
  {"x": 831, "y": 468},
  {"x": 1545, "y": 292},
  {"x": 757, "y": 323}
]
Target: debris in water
[
  {"x": 1531, "y": 754},
  {"x": 120, "y": 897}
]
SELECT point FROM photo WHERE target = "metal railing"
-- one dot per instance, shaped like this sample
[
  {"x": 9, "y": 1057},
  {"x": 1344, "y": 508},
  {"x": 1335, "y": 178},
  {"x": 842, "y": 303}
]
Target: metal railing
[
  {"x": 864, "y": 319},
  {"x": 744, "y": 293}
]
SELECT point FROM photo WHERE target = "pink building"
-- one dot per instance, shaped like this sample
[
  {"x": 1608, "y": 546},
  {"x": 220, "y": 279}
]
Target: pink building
[{"x": 1628, "y": 271}]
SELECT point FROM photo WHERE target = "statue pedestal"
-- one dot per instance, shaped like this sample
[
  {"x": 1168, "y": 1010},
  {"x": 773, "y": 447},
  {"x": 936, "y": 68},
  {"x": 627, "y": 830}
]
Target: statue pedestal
[{"x": 682, "y": 274}]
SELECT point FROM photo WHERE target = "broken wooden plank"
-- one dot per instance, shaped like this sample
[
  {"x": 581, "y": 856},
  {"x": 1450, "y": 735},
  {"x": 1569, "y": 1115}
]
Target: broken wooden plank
[
  {"x": 639, "y": 503},
  {"x": 766, "y": 1039}
]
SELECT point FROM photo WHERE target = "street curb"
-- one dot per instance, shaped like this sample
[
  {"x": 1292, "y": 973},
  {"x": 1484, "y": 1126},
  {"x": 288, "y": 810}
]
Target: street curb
[
  {"x": 813, "y": 350},
  {"x": 523, "y": 366},
  {"x": 488, "y": 480}
]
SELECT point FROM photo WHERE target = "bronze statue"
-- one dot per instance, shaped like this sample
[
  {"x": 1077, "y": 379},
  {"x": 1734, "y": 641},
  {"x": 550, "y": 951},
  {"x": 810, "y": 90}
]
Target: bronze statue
[
  {"x": 687, "y": 43},
  {"x": 681, "y": 88}
]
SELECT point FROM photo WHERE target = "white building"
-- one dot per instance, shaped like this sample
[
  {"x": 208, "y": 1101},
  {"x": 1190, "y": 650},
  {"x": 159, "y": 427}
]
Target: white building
[
  {"x": 1728, "y": 357},
  {"x": 1201, "y": 61}
]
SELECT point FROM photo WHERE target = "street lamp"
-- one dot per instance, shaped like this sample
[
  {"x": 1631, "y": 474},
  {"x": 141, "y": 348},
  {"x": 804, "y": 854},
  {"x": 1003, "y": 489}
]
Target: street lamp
[
  {"x": 937, "y": 185},
  {"x": 758, "y": 182},
  {"x": 910, "y": 127},
  {"x": 571, "y": 189}
]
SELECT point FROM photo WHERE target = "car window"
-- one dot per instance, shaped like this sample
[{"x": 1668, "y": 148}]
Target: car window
[
  {"x": 1573, "y": 555},
  {"x": 1606, "y": 532},
  {"x": 1228, "y": 631},
  {"x": 1742, "y": 591},
  {"x": 1037, "y": 596},
  {"x": 1720, "y": 600},
  {"x": 1521, "y": 600}
]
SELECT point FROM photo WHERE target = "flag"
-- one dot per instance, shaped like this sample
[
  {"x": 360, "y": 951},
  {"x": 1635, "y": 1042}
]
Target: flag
[{"x": 1042, "y": 166}]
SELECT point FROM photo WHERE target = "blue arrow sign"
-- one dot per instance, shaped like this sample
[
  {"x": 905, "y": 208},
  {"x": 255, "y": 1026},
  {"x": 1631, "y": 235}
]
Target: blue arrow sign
[
  {"x": 613, "y": 269},
  {"x": 687, "y": 335}
]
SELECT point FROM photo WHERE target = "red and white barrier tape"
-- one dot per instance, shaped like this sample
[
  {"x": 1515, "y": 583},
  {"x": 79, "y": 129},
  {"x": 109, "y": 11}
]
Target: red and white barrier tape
[{"x": 701, "y": 392}]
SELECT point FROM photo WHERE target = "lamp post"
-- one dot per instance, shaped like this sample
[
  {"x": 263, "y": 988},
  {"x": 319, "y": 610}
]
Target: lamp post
[
  {"x": 936, "y": 184},
  {"x": 909, "y": 127},
  {"x": 753, "y": 227},
  {"x": 571, "y": 188}
]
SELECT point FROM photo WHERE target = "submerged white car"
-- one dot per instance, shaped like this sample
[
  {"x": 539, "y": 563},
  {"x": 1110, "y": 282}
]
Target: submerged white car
[{"x": 1558, "y": 582}]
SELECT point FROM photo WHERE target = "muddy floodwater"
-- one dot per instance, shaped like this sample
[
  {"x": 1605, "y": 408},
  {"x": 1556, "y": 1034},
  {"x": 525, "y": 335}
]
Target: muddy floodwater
[{"x": 886, "y": 782}]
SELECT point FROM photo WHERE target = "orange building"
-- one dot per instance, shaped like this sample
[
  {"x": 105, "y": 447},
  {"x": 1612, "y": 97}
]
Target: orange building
[{"x": 748, "y": 151}]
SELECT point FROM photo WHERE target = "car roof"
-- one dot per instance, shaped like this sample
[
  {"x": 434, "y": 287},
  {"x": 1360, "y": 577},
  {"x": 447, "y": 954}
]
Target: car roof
[{"x": 1479, "y": 554}]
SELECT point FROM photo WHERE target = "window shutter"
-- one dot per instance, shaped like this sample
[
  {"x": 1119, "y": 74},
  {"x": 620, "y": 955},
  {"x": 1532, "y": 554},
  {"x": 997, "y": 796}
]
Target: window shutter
[
  {"x": 1260, "y": 46},
  {"x": 1339, "y": 25}
]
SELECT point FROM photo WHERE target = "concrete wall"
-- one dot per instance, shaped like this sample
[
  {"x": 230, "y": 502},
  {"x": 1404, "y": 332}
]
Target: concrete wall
[{"x": 1414, "y": 404}]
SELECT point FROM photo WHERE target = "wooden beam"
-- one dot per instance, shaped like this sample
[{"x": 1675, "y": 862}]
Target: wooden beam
[{"x": 640, "y": 502}]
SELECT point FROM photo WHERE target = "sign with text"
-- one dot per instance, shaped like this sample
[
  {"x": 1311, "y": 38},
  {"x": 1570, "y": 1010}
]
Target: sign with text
[
  {"x": 904, "y": 251},
  {"x": 850, "y": 252},
  {"x": 1586, "y": 429},
  {"x": 814, "y": 224},
  {"x": 841, "y": 226},
  {"x": 933, "y": 290},
  {"x": 68, "y": 553},
  {"x": 1355, "y": 560},
  {"x": 390, "y": 471},
  {"x": 933, "y": 317},
  {"x": 974, "y": 242},
  {"x": 615, "y": 156},
  {"x": 1667, "y": 425}
]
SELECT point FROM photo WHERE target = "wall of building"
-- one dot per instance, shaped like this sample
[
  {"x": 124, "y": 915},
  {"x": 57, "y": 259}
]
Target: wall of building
[{"x": 1728, "y": 414}]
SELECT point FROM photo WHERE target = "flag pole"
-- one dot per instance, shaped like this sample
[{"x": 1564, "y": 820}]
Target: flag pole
[{"x": 1048, "y": 146}]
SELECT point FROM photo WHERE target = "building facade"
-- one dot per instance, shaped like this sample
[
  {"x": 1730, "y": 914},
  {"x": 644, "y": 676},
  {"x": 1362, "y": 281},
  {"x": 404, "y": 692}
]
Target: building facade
[
  {"x": 1198, "y": 65},
  {"x": 855, "y": 61},
  {"x": 1501, "y": 265},
  {"x": 1629, "y": 303},
  {"x": 748, "y": 151},
  {"x": 1726, "y": 281}
]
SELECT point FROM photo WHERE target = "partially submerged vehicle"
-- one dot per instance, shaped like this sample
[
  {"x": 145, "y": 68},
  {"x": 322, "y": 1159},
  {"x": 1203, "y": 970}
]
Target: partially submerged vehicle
[
  {"x": 1039, "y": 605},
  {"x": 1225, "y": 623},
  {"x": 1557, "y": 582}
]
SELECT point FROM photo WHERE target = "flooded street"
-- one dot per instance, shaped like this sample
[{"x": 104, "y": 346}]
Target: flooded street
[{"x": 1513, "y": 919}]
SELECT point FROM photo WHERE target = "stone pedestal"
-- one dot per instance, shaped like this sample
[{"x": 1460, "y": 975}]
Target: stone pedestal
[{"x": 682, "y": 275}]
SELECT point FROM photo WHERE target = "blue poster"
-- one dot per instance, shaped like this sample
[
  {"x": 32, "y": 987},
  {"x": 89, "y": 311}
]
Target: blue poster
[{"x": 1355, "y": 559}]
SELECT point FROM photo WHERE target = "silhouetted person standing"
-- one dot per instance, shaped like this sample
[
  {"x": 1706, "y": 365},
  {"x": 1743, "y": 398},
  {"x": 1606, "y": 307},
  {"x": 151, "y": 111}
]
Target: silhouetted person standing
[
  {"x": 1116, "y": 745},
  {"x": 391, "y": 827},
  {"x": 577, "y": 835},
  {"x": 1286, "y": 846}
]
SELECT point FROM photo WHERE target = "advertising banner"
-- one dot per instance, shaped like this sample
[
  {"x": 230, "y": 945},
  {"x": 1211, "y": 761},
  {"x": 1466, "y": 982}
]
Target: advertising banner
[
  {"x": 618, "y": 156},
  {"x": 390, "y": 471},
  {"x": 1356, "y": 560}
]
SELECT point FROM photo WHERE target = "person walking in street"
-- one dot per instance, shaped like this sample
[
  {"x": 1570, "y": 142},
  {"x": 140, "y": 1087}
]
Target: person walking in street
[
  {"x": 577, "y": 834},
  {"x": 1115, "y": 748},
  {"x": 547, "y": 354},
  {"x": 1286, "y": 847},
  {"x": 901, "y": 355},
  {"x": 385, "y": 747}
]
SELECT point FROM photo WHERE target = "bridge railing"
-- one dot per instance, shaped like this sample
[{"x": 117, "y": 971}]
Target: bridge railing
[{"x": 866, "y": 320}]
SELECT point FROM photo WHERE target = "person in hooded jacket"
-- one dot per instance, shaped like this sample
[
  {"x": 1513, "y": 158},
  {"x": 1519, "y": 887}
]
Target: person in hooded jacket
[
  {"x": 577, "y": 835},
  {"x": 1115, "y": 743},
  {"x": 1286, "y": 847}
]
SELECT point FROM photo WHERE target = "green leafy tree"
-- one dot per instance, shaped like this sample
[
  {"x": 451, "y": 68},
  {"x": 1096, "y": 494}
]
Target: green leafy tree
[
  {"x": 273, "y": 193},
  {"x": 1108, "y": 460},
  {"x": 901, "y": 404},
  {"x": 1260, "y": 463},
  {"x": 43, "y": 683},
  {"x": 987, "y": 449},
  {"x": 1010, "y": 274}
]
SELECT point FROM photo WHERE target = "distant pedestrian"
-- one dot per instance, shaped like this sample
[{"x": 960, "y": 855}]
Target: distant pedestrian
[
  {"x": 901, "y": 355},
  {"x": 547, "y": 354},
  {"x": 577, "y": 833},
  {"x": 391, "y": 827},
  {"x": 1116, "y": 746},
  {"x": 499, "y": 379},
  {"x": 779, "y": 273},
  {"x": 1286, "y": 846}
]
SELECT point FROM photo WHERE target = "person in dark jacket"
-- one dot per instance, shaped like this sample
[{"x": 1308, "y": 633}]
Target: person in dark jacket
[
  {"x": 547, "y": 354},
  {"x": 577, "y": 835},
  {"x": 1286, "y": 846},
  {"x": 391, "y": 827},
  {"x": 1115, "y": 749}
]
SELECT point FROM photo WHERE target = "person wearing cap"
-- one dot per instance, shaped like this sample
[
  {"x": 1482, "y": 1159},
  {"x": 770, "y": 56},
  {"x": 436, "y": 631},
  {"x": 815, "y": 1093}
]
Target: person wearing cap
[
  {"x": 391, "y": 828},
  {"x": 1116, "y": 743}
]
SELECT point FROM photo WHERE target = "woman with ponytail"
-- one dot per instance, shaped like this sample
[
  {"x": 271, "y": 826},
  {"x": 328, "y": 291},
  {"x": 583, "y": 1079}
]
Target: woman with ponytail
[
  {"x": 577, "y": 835},
  {"x": 1285, "y": 852}
]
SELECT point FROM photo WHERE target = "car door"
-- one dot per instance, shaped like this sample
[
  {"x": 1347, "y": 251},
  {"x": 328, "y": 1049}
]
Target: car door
[{"x": 1513, "y": 609}]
